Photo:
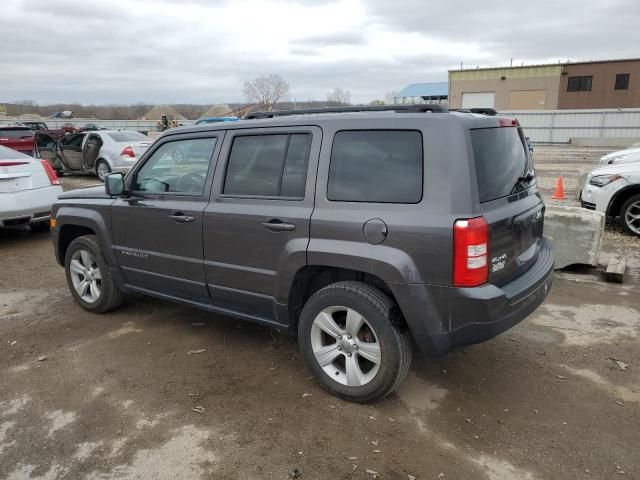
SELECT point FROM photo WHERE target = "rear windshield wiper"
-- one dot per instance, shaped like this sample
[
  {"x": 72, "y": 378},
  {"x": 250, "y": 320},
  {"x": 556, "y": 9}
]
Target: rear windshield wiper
[{"x": 523, "y": 180}]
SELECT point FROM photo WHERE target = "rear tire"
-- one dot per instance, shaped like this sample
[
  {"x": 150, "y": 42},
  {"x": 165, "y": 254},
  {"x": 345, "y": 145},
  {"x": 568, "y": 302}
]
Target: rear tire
[
  {"x": 88, "y": 276},
  {"x": 630, "y": 215},
  {"x": 353, "y": 340},
  {"x": 102, "y": 169}
]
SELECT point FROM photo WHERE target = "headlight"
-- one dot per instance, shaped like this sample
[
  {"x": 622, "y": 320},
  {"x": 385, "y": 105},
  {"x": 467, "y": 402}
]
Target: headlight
[{"x": 602, "y": 180}]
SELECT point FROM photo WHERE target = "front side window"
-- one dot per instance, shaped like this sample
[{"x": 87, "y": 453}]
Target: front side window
[
  {"x": 622, "y": 81},
  {"x": 376, "y": 166},
  {"x": 177, "y": 167},
  {"x": 579, "y": 84},
  {"x": 268, "y": 165}
]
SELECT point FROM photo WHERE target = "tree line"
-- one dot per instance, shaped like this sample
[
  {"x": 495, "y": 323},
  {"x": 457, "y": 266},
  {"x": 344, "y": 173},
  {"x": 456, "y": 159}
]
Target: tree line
[{"x": 262, "y": 93}]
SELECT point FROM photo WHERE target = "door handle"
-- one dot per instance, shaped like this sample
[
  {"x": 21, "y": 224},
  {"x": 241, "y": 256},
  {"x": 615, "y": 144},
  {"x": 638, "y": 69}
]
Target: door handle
[
  {"x": 278, "y": 226},
  {"x": 180, "y": 217}
]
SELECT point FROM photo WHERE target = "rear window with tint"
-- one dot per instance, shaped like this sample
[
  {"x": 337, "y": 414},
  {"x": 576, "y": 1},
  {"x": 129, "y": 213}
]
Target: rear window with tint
[
  {"x": 500, "y": 158},
  {"x": 16, "y": 132},
  {"x": 382, "y": 166},
  {"x": 128, "y": 137}
]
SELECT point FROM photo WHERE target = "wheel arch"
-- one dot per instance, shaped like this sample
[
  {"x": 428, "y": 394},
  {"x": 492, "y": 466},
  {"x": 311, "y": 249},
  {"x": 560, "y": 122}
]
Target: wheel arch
[
  {"x": 73, "y": 222},
  {"x": 311, "y": 278},
  {"x": 621, "y": 196}
]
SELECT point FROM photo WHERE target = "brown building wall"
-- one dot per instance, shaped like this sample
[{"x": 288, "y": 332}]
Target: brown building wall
[
  {"x": 603, "y": 93},
  {"x": 523, "y": 88}
]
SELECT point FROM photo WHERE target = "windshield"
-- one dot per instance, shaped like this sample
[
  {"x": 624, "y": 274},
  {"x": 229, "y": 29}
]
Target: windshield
[
  {"x": 502, "y": 161},
  {"x": 128, "y": 137}
]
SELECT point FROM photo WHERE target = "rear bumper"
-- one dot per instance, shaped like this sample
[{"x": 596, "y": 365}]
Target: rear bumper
[
  {"x": 442, "y": 318},
  {"x": 27, "y": 206}
]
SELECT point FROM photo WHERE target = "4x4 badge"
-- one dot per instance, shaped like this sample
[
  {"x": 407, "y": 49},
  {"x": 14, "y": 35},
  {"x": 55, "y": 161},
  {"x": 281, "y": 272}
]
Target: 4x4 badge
[{"x": 498, "y": 263}]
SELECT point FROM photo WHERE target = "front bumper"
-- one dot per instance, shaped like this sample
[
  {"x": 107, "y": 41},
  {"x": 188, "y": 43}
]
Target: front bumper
[{"x": 442, "y": 318}]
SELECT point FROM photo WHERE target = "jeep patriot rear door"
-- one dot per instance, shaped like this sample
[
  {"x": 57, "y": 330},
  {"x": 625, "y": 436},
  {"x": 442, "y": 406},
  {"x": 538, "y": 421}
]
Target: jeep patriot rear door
[
  {"x": 157, "y": 230},
  {"x": 256, "y": 227}
]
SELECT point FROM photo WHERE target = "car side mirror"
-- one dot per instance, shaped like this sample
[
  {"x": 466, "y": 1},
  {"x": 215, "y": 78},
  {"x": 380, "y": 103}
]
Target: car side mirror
[{"x": 114, "y": 184}]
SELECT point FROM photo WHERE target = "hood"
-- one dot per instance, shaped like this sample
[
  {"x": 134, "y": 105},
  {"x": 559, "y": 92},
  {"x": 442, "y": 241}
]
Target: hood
[
  {"x": 628, "y": 151},
  {"x": 96, "y": 191},
  {"x": 619, "y": 169}
]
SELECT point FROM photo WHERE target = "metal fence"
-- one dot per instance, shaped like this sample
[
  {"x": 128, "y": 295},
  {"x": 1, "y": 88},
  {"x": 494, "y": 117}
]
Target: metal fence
[{"x": 560, "y": 126}]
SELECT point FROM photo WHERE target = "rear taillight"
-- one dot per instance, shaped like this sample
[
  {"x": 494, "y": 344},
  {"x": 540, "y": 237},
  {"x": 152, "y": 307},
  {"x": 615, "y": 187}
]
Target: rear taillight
[
  {"x": 470, "y": 252},
  {"x": 51, "y": 173},
  {"x": 12, "y": 164},
  {"x": 508, "y": 122},
  {"x": 127, "y": 152}
]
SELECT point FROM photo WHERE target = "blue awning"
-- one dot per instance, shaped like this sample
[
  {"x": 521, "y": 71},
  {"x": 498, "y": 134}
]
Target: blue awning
[{"x": 435, "y": 89}]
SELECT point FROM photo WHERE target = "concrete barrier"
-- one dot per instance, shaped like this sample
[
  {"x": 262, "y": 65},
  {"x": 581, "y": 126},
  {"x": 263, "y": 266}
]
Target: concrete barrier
[
  {"x": 576, "y": 234},
  {"x": 604, "y": 142}
]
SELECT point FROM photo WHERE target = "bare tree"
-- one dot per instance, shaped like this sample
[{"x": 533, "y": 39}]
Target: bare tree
[
  {"x": 390, "y": 98},
  {"x": 266, "y": 91},
  {"x": 339, "y": 95}
]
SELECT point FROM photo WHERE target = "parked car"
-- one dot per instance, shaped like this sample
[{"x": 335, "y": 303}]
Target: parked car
[
  {"x": 69, "y": 128},
  {"x": 17, "y": 137},
  {"x": 615, "y": 190},
  {"x": 361, "y": 229},
  {"x": 216, "y": 120},
  {"x": 99, "y": 152},
  {"x": 628, "y": 155},
  {"x": 35, "y": 125},
  {"x": 28, "y": 188},
  {"x": 92, "y": 126}
]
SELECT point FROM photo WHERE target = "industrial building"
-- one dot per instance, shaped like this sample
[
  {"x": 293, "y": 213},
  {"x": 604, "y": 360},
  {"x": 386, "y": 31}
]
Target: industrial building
[
  {"x": 435, "y": 92},
  {"x": 579, "y": 85}
]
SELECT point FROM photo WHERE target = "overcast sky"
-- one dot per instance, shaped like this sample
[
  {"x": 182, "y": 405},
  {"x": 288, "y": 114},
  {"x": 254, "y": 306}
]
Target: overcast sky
[{"x": 202, "y": 51}]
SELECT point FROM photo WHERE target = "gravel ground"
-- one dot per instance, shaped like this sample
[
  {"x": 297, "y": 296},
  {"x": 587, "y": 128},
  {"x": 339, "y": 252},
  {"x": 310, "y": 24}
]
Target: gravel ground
[{"x": 120, "y": 396}]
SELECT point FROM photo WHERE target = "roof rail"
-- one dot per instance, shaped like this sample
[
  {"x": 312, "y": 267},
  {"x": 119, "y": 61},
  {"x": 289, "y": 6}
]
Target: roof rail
[{"x": 416, "y": 108}]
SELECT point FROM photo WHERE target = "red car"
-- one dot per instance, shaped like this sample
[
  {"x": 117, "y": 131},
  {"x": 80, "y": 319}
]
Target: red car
[{"x": 17, "y": 137}]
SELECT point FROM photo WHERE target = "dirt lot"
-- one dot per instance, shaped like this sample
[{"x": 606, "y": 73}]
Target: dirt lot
[{"x": 120, "y": 396}]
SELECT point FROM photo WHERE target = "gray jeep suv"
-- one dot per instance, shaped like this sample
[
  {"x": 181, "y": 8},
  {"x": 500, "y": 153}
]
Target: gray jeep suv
[{"x": 365, "y": 230}]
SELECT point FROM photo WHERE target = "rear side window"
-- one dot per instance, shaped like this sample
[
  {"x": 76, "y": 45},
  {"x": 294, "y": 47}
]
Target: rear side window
[
  {"x": 128, "y": 137},
  {"x": 500, "y": 158},
  {"x": 16, "y": 133},
  {"x": 381, "y": 166},
  {"x": 268, "y": 165}
]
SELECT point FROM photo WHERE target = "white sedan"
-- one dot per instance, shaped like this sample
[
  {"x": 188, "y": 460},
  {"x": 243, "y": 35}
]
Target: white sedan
[
  {"x": 96, "y": 151},
  {"x": 28, "y": 188},
  {"x": 615, "y": 190}
]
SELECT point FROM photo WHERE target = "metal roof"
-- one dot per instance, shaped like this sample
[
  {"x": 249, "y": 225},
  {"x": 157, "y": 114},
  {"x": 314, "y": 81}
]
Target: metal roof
[{"x": 434, "y": 89}]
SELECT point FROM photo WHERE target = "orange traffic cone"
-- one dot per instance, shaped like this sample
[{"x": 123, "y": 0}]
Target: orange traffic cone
[{"x": 558, "y": 194}]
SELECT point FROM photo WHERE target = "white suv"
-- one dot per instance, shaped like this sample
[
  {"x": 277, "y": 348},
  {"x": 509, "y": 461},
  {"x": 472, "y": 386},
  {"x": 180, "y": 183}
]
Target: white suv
[{"x": 615, "y": 190}]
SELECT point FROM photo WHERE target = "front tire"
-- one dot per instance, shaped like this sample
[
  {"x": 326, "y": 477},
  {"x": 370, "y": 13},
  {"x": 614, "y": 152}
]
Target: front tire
[
  {"x": 630, "y": 215},
  {"x": 102, "y": 169},
  {"x": 89, "y": 279},
  {"x": 352, "y": 339}
]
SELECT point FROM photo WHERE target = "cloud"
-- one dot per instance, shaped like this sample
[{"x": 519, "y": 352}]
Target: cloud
[
  {"x": 333, "y": 39},
  {"x": 203, "y": 51}
]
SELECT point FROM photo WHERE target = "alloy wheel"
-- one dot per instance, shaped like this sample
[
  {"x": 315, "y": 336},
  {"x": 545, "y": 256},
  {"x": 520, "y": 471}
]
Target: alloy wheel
[
  {"x": 345, "y": 346},
  {"x": 85, "y": 276},
  {"x": 103, "y": 170},
  {"x": 632, "y": 217}
]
